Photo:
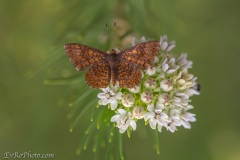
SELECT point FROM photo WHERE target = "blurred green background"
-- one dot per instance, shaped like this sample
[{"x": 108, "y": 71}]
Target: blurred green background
[{"x": 36, "y": 117}]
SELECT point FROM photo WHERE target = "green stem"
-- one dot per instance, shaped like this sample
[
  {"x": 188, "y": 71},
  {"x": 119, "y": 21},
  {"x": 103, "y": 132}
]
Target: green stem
[
  {"x": 157, "y": 142},
  {"x": 121, "y": 147}
]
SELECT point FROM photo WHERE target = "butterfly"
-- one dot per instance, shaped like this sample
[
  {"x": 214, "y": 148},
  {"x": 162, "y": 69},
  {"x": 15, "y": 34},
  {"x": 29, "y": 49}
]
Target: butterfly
[{"x": 110, "y": 67}]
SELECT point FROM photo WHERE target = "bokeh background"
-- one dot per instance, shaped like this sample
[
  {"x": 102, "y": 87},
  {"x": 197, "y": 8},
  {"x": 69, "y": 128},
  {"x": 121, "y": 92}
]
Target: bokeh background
[{"x": 36, "y": 84}]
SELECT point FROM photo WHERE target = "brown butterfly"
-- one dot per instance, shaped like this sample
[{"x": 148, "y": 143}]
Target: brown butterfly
[{"x": 104, "y": 68}]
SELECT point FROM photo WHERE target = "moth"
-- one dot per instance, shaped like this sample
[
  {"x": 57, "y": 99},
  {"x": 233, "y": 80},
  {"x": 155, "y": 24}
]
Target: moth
[{"x": 110, "y": 67}]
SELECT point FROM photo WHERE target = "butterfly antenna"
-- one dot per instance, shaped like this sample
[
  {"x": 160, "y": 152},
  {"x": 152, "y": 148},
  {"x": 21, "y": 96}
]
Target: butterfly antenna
[
  {"x": 108, "y": 33},
  {"x": 113, "y": 37}
]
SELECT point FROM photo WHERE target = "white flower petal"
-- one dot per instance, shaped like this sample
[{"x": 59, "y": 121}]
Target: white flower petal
[
  {"x": 122, "y": 130},
  {"x": 192, "y": 119},
  {"x": 101, "y": 95},
  {"x": 181, "y": 81},
  {"x": 186, "y": 124},
  {"x": 112, "y": 99},
  {"x": 134, "y": 41},
  {"x": 172, "y": 43},
  {"x": 189, "y": 117},
  {"x": 171, "y": 61},
  {"x": 191, "y": 92},
  {"x": 159, "y": 107},
  {"x": 164, "y": 62},
  {"x": 122, "y": 111},
  {"x": 177, "y": 122},
  {"x": 143, "y": 39},
  {"x": 159, "y": 128},
  {"x": 165, "y": 68},
  {"x": 106, "y": 90},
  {"x": 164, "y": 115},
  {"x": 170, "y": 71},
  {"x": 148, "y": 115},
  {"x": 156, "y": 60},
  {"x": 115, "y": 87},
  {"x": 164, "y": 46},
  {"x": 103, "y": 101},
  {"x": 177, "y": 99},
  {"x": 150, "y": 108},
  {"x": 170, "y": 47},
  {"x": 188, "y": 107},
  {"x": 189, "y": 76},
  {"x": 118, "y": 95},
  {"x": 163, "y": 39},
  {"x": 133, "y": 124},
  {"x": 111, "y": 92},
  {"x": 172, "y": 128},
  {"x": 114, "y": 104},
  {"x": 115, "y": 118},
  {"x": 152, "y": 124}
]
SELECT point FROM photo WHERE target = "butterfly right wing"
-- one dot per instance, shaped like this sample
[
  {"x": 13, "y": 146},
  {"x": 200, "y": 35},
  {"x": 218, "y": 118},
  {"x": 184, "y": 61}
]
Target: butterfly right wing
[
  {"x": 128, "y": 75},
  {"x": 83, "y": 56},
  {"x": 141, "y": 55}
]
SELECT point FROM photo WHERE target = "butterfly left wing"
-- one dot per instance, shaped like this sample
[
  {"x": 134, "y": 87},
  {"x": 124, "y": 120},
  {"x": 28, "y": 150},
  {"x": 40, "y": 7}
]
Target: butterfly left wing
[
  {"x": 98, "y": 75},
  {"x": 141, "y": 55},
  {"x": 83, "y": 56}
]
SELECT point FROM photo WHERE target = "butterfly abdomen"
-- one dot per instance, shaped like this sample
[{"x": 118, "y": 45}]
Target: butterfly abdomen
[
  {"x": 112, "y": 58},
  {"x": 113, "y": 74}
]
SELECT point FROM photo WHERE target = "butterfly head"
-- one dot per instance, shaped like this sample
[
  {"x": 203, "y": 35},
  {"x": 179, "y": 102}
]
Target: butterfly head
[{"x": 113, "y": 51}]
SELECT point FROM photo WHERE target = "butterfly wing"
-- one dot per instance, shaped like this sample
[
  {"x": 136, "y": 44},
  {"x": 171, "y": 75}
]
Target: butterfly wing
[
  {"x": 141, "y": 55},
  {"x": 99, "y": 75},
  {"x": 128, "y": 75},
  {"x": 83, "y": 56}
]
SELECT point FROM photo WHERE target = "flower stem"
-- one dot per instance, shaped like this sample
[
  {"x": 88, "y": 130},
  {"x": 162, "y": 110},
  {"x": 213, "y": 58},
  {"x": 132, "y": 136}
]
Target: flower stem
[
  {"x": 157, "y": 142},
  {"x": 121, "y": 147}
]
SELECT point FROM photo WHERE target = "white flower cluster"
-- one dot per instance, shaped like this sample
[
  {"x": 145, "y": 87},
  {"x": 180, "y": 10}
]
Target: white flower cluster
[{"x": 161, "y": 99}]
